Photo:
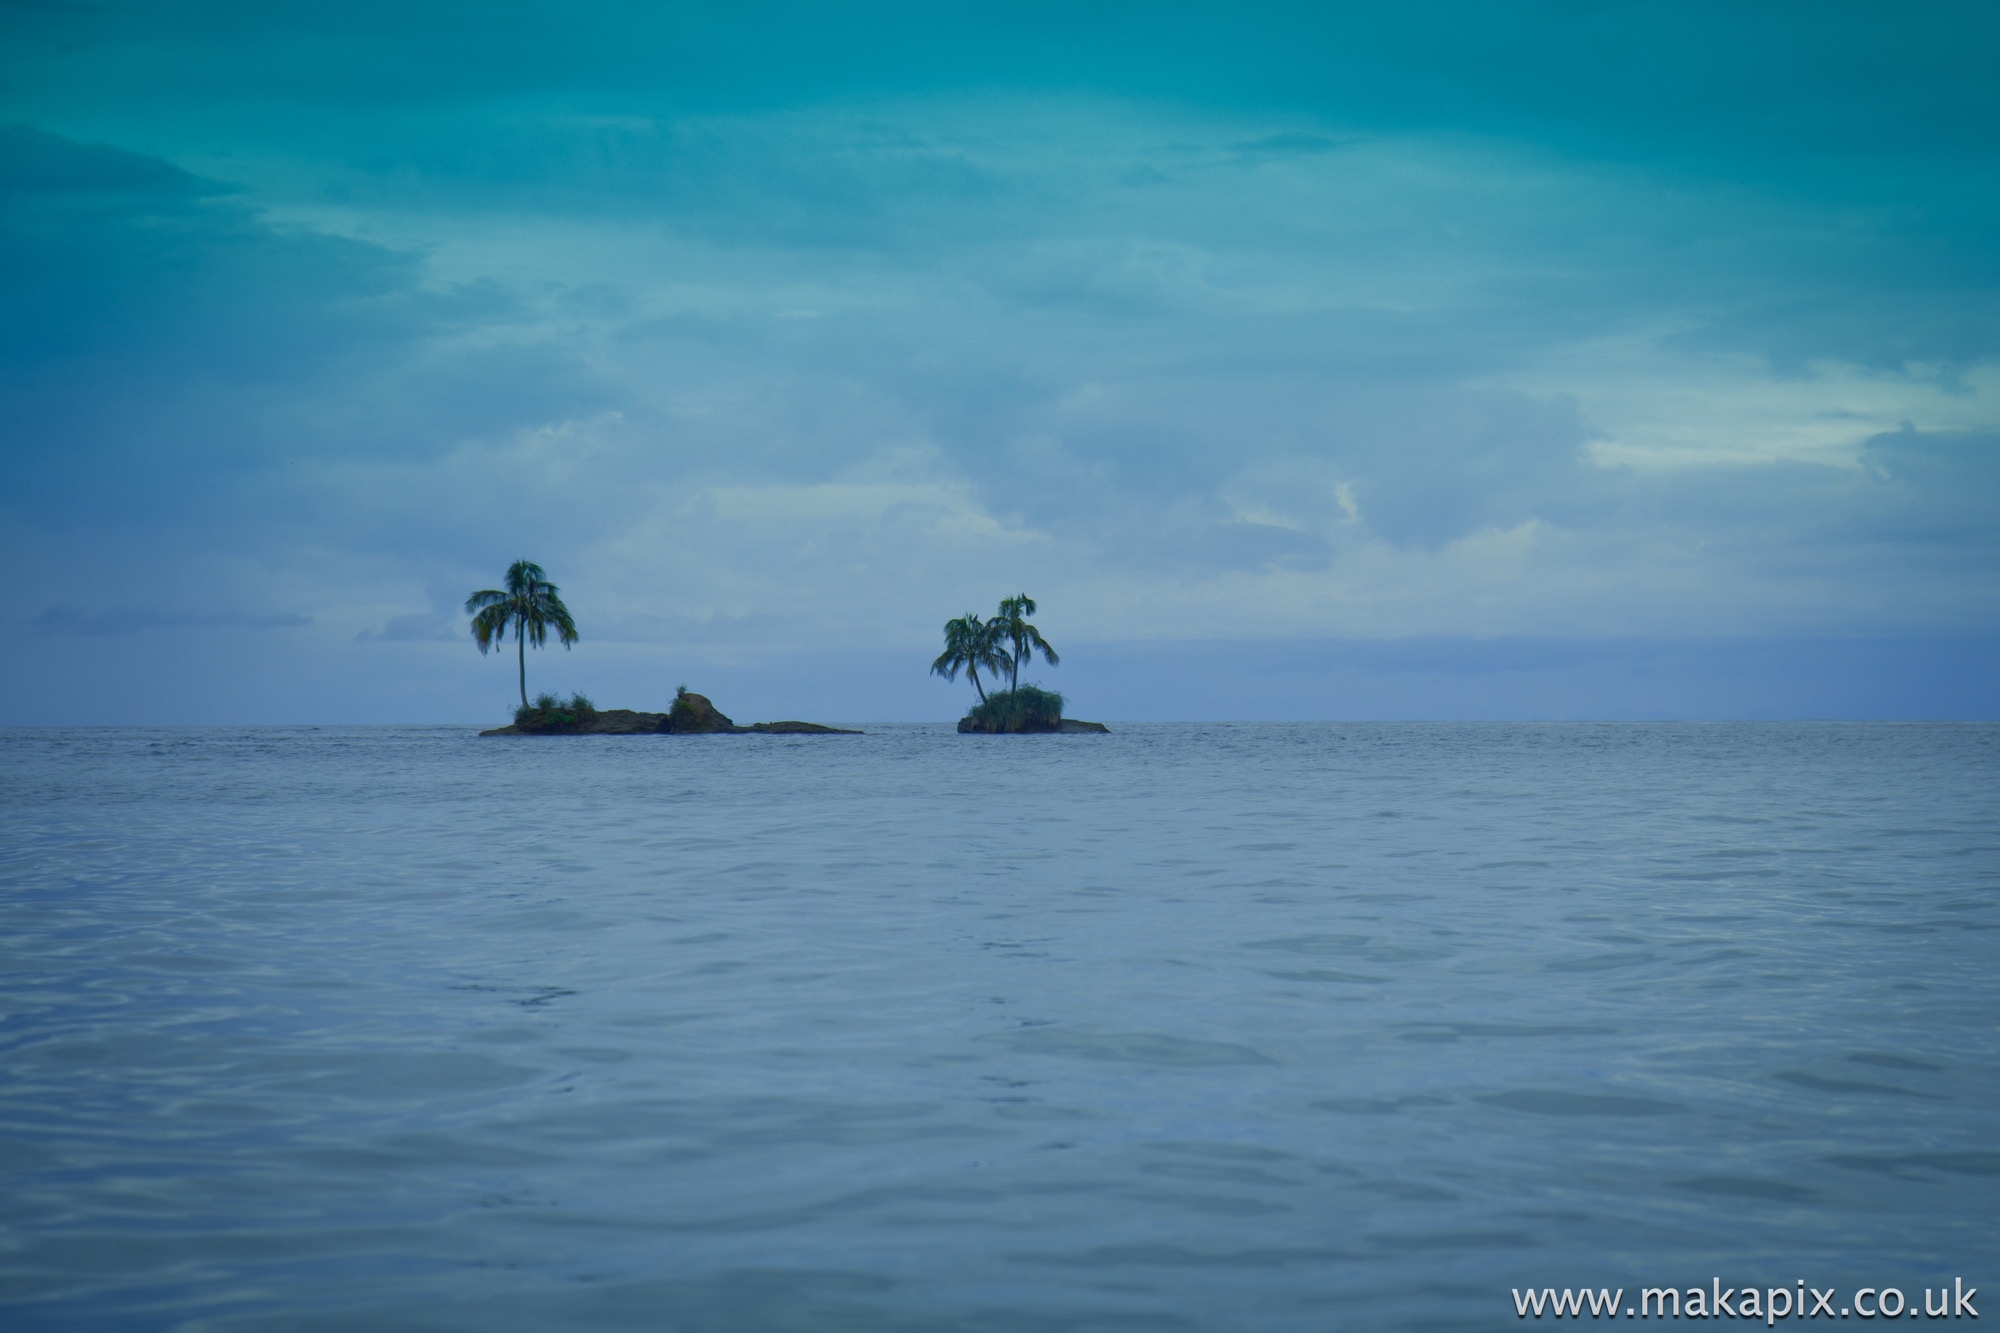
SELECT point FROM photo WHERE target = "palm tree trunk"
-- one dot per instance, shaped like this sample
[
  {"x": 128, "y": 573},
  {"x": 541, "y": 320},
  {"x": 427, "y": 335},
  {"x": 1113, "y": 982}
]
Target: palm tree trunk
[
  {"x": 521, "y": 649},
  {"x": 973, "y": 672}
]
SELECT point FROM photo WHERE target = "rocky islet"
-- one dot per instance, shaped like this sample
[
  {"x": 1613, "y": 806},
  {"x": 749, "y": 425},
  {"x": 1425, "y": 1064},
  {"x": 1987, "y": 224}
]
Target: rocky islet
[{"x": 691, "y": 715}]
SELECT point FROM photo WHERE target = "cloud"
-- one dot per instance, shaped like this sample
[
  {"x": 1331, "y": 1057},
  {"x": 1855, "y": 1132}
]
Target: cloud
[
  {"x": 750, "y": 365},
  {"x": 419, "y": 627},
  {"x": 33, "y": 161},
  {"x": 62, "y": 618},
  {"x": 1221, "y": 406},
  {"x": 144, "y": 270},
  {"x": 1289, "y": 143}
]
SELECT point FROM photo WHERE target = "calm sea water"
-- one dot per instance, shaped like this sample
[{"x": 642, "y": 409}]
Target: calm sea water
[{"x": 1188, "y": 1027}]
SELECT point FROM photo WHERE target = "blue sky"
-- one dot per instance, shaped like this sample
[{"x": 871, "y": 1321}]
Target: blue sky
[{"x": 1522, "y": 360}]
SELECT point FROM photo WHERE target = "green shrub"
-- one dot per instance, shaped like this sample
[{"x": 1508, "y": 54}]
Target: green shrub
[
  {"x": 548, "y": 713},
  {"x": 1027, "y": 708}
]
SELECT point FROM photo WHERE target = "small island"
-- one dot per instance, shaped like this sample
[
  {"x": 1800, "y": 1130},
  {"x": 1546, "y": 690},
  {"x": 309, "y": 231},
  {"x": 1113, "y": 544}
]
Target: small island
[
  {"x": 530, "y": 606},
  {"x": 691, "y": 715},
  {"x": 1005, "y": 644}
]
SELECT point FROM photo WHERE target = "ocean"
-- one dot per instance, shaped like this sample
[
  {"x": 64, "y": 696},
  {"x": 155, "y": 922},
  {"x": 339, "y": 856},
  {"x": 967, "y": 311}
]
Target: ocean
[{"x": 1188, "y": 1027}]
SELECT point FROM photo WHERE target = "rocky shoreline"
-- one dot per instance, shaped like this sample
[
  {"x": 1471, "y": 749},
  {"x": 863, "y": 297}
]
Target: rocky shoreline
[
  {"x": 1069, "y": 726},
  {"x": 691, "y": 715},
  {"x": 694, "y": 715}
]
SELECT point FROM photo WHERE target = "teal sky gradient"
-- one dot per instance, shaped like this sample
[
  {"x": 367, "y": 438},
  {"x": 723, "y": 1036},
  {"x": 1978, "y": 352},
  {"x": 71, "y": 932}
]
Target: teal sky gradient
[{"x": 1528, "y": 334}]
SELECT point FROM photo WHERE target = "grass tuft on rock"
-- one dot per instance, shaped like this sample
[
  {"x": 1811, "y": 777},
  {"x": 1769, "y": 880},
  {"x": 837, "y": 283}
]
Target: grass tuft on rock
[{"x": 548, "y": 713}]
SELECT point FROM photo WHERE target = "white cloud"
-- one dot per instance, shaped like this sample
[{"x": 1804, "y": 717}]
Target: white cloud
[{"x": 1659, "y": 406}]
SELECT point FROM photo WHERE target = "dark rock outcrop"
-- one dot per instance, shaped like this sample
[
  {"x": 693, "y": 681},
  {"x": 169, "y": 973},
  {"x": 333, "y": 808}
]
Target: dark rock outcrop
[
  {"x": 691, "y": 715},
  {"x": 694, "y": 715},
  {"x": 625, "y": 722}
]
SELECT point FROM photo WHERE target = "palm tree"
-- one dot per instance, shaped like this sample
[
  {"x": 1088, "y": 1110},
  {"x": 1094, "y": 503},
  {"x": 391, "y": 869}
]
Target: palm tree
[
  {"x": 1012, "y": 626},
  {"x": 529, "y": 605},
  {"x": 971, "y": 643}
]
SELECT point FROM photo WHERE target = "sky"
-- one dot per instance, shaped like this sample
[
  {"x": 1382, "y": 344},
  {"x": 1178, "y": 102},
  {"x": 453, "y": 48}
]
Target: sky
[{"x": 1440, "y": 360}]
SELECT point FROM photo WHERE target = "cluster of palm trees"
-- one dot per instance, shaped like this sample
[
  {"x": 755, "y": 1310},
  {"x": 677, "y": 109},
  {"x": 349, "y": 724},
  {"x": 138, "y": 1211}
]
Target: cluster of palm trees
[{"x": 1000, "y": 646}]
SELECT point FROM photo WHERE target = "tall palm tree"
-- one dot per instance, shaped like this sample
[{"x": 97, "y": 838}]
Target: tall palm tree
[
  {"x": 529, "y": 606},
  {"x": 970, "y": 642},
  {"x": 1012, "y": 626}
]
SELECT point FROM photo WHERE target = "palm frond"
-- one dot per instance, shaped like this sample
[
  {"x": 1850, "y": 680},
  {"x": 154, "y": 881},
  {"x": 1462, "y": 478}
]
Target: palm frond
[
  {"x": 559, "y": 616},
  {"x": 522, "y": 576},
  {"x": 489, "y": 627},
  {"x": 1023, "y": 639},
  {"x": 972, "y": 644}
]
